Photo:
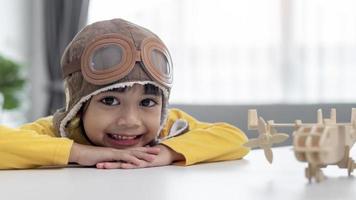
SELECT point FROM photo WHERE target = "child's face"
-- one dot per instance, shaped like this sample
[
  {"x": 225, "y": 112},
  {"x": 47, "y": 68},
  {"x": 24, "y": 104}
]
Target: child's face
[{"x": 122, "y": 119}]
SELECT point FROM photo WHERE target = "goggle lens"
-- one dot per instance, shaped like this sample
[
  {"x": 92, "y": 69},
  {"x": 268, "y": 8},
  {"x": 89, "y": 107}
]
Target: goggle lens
[
  {"x": 160, "y": 62},
  {"x": 106, "y": 57}
]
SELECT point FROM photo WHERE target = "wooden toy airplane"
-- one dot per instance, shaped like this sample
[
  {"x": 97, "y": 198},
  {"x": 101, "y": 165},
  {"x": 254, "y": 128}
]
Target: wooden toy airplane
[{"x": 319, "y": 144}]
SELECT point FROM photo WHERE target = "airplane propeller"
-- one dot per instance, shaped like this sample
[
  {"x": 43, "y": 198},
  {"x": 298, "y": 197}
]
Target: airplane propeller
[{"x": 267, "y": 137}]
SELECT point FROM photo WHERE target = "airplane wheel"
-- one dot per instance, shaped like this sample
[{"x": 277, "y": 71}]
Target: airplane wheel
[
  {"x": 308, "y": 173},
  {"x": 319, "y": 176},
  {"x": 350, "y": 166}
]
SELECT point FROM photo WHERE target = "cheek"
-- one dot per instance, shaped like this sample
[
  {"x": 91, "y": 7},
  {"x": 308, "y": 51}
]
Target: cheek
[
  {"x": 89, "y": 125},
  {"x": 95, "y": 121},
  {"x": 154, "y": 121}
]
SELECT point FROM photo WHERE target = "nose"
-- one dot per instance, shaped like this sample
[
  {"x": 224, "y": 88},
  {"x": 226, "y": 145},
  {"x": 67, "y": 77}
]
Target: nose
[{"x": 129, "y": 117}]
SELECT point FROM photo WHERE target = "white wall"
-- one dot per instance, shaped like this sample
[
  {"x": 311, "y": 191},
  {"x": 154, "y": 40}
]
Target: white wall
[
  {"x": 21, "y": 38},
  {"x": 14, "y": 25}
]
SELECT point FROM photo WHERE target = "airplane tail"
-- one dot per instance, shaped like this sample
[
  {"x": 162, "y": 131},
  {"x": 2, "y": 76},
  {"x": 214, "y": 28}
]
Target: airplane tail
[
  {"x": 252, "y": 119},
  {"x": 320, "y": 116},
  {"x": 353, "y": 117},
  {"x": 333, "y": 115}
]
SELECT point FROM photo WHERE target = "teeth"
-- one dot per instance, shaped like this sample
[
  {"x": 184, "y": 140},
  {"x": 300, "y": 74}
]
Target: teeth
[{"x": 122, "y": 137}]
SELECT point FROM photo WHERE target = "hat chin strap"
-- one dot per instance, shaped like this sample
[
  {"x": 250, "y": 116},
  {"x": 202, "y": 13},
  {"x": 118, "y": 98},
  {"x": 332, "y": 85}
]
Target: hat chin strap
[{"x": 73, "y": 112}]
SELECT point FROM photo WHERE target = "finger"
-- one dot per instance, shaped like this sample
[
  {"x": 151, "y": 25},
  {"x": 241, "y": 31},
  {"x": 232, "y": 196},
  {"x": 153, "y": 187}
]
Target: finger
[
  {"x": 144, "y": 156},
  {"x": 151, "y": 150},
  {"x": 128, "y": 166},
  {"x": 118, "y": 165},
  {"x": 109, "y": 165},
  {"x": 130, "y": 158},
  {"x": 131, "y": 166},
  {"x": 100, "y": 165},
  {"x": 133, "y": 156}
]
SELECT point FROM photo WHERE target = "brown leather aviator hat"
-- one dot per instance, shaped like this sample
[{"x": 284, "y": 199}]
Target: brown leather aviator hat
[{"x": 107, "y": 55}]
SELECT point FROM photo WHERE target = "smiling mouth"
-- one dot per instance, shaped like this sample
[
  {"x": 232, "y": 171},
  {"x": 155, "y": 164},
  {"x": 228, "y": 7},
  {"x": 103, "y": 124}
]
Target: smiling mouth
[
  {"x": 122, "y": 137},
  {"x": 123, "y": 140}
]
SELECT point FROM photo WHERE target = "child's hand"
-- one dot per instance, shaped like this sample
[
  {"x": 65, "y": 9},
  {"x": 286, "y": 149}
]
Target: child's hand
[
  {"x": 126, "y": 158},
  {"x": 166, "y": 156}
]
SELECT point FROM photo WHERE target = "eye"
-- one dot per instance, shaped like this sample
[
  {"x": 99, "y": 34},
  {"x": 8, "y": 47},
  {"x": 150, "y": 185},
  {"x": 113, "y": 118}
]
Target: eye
[
  {"x": 110, "y": 101},
  {"x": 148, "y": 103}
]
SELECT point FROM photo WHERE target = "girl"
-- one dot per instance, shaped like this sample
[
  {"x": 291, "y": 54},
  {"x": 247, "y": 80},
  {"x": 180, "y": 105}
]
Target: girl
[{"x": 117, "y": 78}]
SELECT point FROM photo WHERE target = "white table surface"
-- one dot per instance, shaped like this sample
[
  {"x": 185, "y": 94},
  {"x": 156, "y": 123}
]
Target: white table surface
[{"x": 250, "y": 178}]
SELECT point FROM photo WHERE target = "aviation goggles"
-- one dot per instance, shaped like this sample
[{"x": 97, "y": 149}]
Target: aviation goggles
[{"x": 111, "y": 57}]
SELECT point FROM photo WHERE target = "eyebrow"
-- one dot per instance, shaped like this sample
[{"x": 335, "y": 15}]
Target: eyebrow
[{"x": 152, "y": 90}]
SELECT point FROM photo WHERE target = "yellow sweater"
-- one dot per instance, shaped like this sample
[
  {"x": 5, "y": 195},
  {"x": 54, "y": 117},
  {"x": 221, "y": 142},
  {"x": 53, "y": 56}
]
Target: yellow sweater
[{"x": 35, "y": 144}]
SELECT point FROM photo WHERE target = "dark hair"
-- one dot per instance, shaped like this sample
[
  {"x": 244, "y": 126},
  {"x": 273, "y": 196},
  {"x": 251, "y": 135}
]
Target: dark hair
[
  {"x": 152, "y": 89},
  {"x": 149, "y": 89}
]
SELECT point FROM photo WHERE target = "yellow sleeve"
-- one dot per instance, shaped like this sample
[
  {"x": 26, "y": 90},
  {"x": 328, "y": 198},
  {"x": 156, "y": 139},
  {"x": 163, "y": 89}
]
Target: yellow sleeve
[
  {"x": 206, "y": 142},
  {"x": 32, "y": 145}
]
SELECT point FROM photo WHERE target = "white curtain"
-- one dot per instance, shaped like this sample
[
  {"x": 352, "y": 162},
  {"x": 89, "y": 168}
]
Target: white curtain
[{"x": 250, "y": 51}]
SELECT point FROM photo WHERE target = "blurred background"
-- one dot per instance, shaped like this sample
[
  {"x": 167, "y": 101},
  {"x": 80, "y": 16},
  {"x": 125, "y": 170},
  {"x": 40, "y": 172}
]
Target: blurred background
[{"x": 285, "y": 57}]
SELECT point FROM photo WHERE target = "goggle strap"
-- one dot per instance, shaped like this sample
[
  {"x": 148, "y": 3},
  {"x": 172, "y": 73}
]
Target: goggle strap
[
  {"x": 138, "y": 56},
  {"x": 70, "y": 68}
]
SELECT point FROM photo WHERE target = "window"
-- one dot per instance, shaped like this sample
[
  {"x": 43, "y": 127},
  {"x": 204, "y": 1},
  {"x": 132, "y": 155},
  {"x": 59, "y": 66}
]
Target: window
[{"x": 250, "y": 51}]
